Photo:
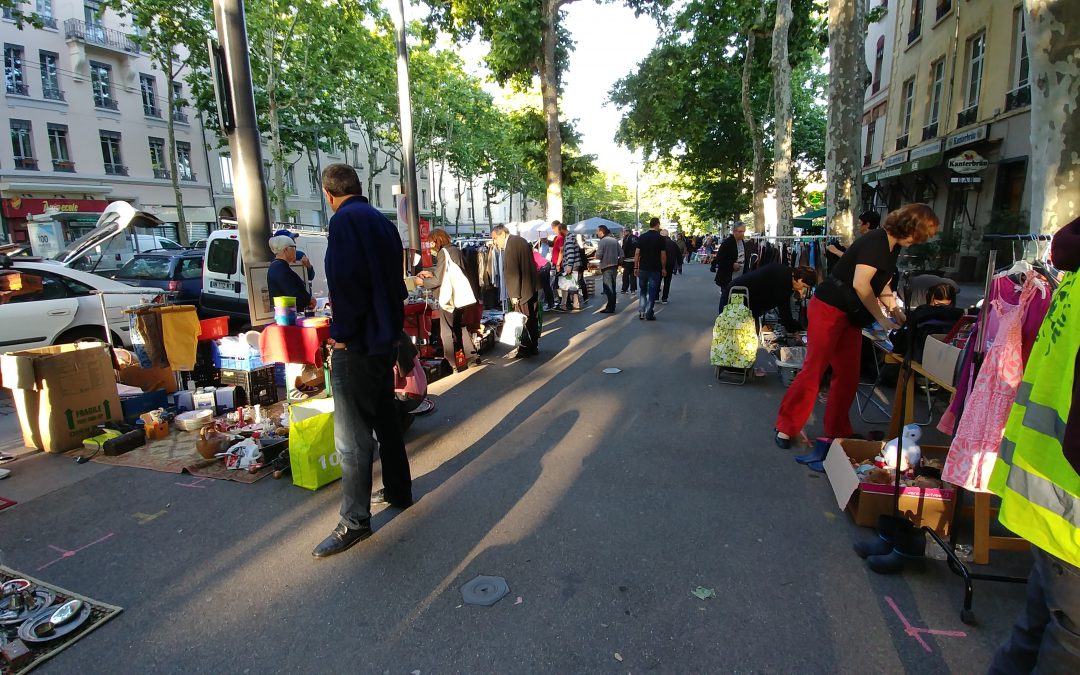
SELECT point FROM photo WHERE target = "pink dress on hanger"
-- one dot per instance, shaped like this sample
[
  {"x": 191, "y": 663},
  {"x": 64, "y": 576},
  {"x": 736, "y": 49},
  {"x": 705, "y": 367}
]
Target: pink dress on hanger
[{"x": 975, "y": 446}]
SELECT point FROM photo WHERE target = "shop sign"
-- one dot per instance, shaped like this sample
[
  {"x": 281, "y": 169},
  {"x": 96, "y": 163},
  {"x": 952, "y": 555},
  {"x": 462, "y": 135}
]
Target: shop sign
[
  {"x": 967, "y": 137},
  {"x": 931, "y": 148},
  {"x": 965, "y": 180},
  {"x": 968, "y": 161},
  {"x": 920, "y": 164},
  {"x": 17, "y": 207},
  {"x": 898, "y": 158}
]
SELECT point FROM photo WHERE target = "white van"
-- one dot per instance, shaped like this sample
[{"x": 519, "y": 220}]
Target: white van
[
  {"x": 224, "y": 289},
  {"x": 108, "y": 256}
]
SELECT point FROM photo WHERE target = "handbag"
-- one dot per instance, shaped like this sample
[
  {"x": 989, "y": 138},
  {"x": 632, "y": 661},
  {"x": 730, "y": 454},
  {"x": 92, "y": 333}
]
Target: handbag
[
  {"x": 568, "y": 283},
  {"x": 513, "y": 326},
  {"x": 456, "y": 291}
]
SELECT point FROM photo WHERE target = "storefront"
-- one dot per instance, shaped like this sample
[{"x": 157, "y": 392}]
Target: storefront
[{"x": 18, "y": 210}]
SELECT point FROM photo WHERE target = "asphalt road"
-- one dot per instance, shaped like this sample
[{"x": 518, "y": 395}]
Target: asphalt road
[{"x": 604, "y": 500}]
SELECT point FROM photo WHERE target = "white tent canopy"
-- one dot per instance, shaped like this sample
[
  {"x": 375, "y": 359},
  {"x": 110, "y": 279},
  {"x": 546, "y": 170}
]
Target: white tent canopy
[
  {"x": 589, "y": 226},
  {"x": 531, "y": 230}
]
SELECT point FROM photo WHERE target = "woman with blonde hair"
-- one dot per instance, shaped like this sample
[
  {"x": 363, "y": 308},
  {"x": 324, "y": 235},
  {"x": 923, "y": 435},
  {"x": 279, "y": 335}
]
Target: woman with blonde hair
[
  {"x": 856, "y": 294},
  {"x": 455, "y": 293}
]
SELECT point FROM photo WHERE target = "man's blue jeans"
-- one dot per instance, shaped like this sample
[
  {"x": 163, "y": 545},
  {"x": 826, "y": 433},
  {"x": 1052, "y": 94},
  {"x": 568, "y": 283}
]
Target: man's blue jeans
[
  {"x": 649, "y": 283},
  {"x": 609, "y": 287},
  {"x": 363, "y": 386}
]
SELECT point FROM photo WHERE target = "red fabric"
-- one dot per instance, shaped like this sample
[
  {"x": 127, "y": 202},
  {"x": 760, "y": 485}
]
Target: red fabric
[
  {"x": 831, "y": 340},
  {"x": 418, "y": 320},
  {"x": 474, "y": 314},
  {"x": 292, "y": 344}
]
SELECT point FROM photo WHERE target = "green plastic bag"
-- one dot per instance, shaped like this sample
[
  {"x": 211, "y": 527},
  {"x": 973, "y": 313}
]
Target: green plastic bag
[{"x": 313, "y": 457}]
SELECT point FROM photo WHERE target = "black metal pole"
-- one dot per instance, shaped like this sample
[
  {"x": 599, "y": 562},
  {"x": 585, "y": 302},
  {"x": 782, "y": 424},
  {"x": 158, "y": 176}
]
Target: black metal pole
[
  {"x": 245, "y": 145},
  {"x": 408, "y": 156}
]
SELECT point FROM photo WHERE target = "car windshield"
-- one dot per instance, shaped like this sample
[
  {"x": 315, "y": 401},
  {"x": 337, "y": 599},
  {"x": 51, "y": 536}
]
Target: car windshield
[{"x": 145, "y": 268}]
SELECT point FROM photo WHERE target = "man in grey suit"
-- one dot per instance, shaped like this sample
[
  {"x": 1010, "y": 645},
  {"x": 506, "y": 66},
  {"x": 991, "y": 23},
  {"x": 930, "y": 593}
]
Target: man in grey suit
[{"x": 522, "y": 280}]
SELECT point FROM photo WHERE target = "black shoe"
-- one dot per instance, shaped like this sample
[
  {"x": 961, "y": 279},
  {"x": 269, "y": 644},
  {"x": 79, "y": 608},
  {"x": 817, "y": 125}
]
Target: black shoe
[
  {"x": 341, "y": 539},
  {"x": 525, "y": 353},
  {"x": 663, "y": 302},
  {"x": 607, "y": 311},
  {"x": 650, "y": 317},
  {"x": 379, "y": 497},
  {"x": 641, "y": 316},
  {"x": 782, "y": 443}
]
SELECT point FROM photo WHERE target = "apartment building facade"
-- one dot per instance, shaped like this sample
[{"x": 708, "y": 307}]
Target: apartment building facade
[
  {"x": 87, "y": 119},
  {"x": 957, "y": 129},
  {"x": 880, "y": 37}
]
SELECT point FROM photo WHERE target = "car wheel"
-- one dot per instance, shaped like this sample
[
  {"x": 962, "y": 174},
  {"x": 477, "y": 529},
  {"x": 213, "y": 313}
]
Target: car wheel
[{"x": 87, "y": 333}]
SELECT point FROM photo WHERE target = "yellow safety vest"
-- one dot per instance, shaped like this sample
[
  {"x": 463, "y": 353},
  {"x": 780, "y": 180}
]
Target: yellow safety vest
[{"x": 1039, "y": 489}]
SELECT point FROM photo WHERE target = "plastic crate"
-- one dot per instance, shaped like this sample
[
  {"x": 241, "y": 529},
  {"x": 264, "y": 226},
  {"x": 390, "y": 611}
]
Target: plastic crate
[
  {"x": 252, "y": 386},
  {"x": 252, "y": 361}
]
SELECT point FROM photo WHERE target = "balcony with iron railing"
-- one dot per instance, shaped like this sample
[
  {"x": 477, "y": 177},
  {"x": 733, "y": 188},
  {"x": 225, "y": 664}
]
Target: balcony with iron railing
[
  {"x": 967, "y": 117},
  {"x": 64, "y": 165},
  {"x": 188, "y": 176},
  {"x": 179, "y": 117},
  {"x": 1018, "y": 98},
  {"x": 48, "y": 21},
  {"x": 116, "y": 169},
  {"x": 929, "y": 131},
  {"x": 161, "y": 173},
  {"x": 26, "y": 163},
  {"x": 52, "y": 94},
  {"x": 106, "y": 103},
  {"x": 151, "y": 111},
  {"x": 99, "y": 36},
  {"x": 18, "y": 88},
  {"x": 902, "y": 142}
]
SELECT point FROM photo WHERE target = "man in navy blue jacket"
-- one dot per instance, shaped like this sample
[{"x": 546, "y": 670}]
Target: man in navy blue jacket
[{"x": 367, "y": 292}]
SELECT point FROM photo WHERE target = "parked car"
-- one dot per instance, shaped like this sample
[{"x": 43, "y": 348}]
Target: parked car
[
  {"x": 179, "y": 272},
  {"x": 43, "y": 304},
  {"x": 121, "y": 231}
]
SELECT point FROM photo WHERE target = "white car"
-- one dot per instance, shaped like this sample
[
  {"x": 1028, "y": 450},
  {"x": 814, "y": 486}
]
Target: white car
[{"x": 44, "y": 304}]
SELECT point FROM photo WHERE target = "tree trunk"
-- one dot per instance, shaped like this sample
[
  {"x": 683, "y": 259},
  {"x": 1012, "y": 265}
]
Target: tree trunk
[
  {"x": 781, "y": 68},
  {"x": 458, "y": 192},
  {"x": 277, "y": 155},
  {"x": 753, "y": 127},
  {"x": 1054, "y": 50},
  {"x": 843, "y": 164},
  {"x": 170, "y": 102},
  {"x": 487, "y": 206},
  {"x": 549, "y": 89},
  {"x": 441, "y": 209}
]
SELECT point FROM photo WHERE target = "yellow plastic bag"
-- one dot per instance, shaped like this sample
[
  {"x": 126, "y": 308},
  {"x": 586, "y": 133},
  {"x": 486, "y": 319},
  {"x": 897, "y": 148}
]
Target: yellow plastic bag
[{"x": 313, "y": 456}]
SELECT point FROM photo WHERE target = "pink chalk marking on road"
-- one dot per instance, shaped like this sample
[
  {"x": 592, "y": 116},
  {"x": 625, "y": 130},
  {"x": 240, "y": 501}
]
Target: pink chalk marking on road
[
  {"x": 914, "y": 632},
  {"x": 65, "y": 553},
  {"x": 197, "y": 483}
]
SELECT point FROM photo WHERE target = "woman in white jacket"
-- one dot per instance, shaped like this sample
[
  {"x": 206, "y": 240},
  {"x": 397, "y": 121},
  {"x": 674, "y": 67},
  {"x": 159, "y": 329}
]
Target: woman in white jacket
[{"x": 454, "y": 292}]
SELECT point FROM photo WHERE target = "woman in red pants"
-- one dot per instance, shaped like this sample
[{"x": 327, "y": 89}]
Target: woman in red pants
[{"x": 856, "y": 294}]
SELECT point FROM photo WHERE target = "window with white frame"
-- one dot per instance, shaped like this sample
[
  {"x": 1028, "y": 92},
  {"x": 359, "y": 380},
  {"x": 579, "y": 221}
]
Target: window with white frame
[
  {"x": 44, "y": 11},
  {"x": 157, "y": 157},
  {"x": 148, "y": 89},
  {"x": 868, "y": 150},
  {"x": 110, "y": 153},
  {"x": 313, "y": 179},
  {"x": 14, "y": 71},
  {"x": 937, "y": 87},
  {"x": 423, "y": 198},
  {"x": 1021, "y": 70},
  {"x": 225, "y": 166},
  {"x": 58, "y": 148},
  {"x": 101, "y": 84},
  {"x": 290, "y": 179},
  {"x": 976, "y": 53},
  {"x": 50, "y": 77},
  {"x": 183, "y": 160},
  {"x": 22, "y": 144}
]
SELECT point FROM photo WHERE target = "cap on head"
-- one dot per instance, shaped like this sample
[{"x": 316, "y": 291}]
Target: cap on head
[{"x": 286, "y": 233}]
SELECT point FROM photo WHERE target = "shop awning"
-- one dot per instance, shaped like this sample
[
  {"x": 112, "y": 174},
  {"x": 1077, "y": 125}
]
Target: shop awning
[
  {"x": 811, "y": 215},
  {"x": 926, "y": 156}
]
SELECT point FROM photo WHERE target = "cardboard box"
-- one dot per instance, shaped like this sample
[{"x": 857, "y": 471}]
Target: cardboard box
[
  {"x": 204, "y": 400},
  {"x": 939, "y": 359},
  {"x": 61, "y": 393},
  {"x": 866, "y": 501},
  {"x": 149, "y": 379}
]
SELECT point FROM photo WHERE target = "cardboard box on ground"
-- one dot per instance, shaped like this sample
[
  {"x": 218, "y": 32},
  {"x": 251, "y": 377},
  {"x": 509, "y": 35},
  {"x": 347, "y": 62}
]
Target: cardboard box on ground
[
  {"x": 61, "y": 393},
  {"x": 866, "y": 501}
]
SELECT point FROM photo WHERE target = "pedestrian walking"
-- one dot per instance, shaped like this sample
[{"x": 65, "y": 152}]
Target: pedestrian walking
[
  {"x": 571, "y": 260},
  {"x": 581, "y": 267},
  {"x": 629, "y": 248},
  {"x": 454, "y": 293},
  {"x": 542, "y": 255},
  {"x": 680, "y": 241},
  {"x": 608, "y": 253},
  {"x": 850, "y": 299},
  {"x": 650, "y": 265},
  {"x": 522, "y": 282},
  {"x": 730, "y": 260},
  {"x": 560, "y": 231},
  {"x": 674, "y": 261},
  {"x": 364, "y": 263}
]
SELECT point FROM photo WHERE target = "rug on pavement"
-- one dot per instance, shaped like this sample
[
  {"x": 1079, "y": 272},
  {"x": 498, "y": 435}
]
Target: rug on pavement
[
  {"x": 175, "y": 454},
  {"x": 99, "y": 613},
  {"x": 4, "y": 503}
]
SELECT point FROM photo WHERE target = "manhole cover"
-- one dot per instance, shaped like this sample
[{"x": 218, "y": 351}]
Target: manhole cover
[
  {"x": 484, "y": 590},
  {"x": 612, "y": 371}
]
